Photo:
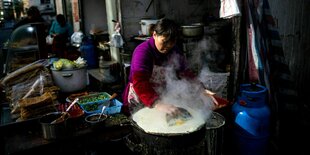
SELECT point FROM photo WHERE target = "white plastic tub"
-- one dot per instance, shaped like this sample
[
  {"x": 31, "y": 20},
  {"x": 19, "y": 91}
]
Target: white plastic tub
[{"x": 145, "y": 26}]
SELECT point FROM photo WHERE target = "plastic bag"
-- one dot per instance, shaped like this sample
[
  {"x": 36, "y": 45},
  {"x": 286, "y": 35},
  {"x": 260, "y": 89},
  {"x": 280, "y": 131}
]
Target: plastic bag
[
  {"x": 229, "y": 9},
  {"x": 117, "y": 40},
  {"x": 77, "y": 37},
  {"x": 215, "y": 82},
  {"x": 49, "y": 40}
]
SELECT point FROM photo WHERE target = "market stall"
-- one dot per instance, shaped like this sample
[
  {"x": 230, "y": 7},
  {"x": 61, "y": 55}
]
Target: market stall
[{"x": 32, "y": 96}]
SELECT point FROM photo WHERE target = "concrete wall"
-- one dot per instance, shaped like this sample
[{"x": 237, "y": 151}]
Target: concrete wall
[
  {"x": 182, "y": 11},
  {"x": 132, "y": 12},
  {"x": 94, "y": 15},
  {"x": 189, "y": 11}
]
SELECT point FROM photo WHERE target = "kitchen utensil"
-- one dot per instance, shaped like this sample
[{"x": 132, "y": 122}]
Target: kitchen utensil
[
  {"x": 145, "y": 26},
  {"x": 178, "y": 119},
  {"x": 192, "y": 30},
  {"x": 177, "y": 143},
  {"x": 108, "y": 102},
  {"x": 53, "y": 131},
  {"x": 65, "y": 114},
  {"x": 102, "y": 110},
  {"x": 70, "y": 80},
  {"x": 94, "y": 121}
]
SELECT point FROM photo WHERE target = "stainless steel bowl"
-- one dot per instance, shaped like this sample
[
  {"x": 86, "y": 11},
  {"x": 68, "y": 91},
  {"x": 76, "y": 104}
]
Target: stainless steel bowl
[
  {"x": 94, "y": 121},
  {"x": 192, "y": 30}
]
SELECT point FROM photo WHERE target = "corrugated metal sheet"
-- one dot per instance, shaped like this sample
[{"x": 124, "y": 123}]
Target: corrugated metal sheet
[{"x": 293, "y": 22}]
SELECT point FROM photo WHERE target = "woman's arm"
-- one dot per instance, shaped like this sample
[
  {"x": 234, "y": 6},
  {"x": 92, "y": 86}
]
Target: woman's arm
[
  {"x": 144, "y": 88},
  {"x": 52, "y": 29},
  {"x": 141, "y": 72},
  {"x": 70, "y": 30}
]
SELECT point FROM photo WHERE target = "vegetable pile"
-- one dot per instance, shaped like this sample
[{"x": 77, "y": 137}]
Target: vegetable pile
[
  {"x": 91, "y": 107},
  {"x": 93, "y": 98},
  {"x": 68, "y": 64}
]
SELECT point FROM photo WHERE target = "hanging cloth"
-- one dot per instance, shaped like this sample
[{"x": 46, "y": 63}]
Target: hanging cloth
[
  {"x": 266, "y": 63},
  {"x": 229, "y": 9}
]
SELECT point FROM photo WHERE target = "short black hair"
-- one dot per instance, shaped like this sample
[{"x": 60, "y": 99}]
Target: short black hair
[
  {"x": 33, "y": 11},
  {"x": 61, "y": 20},
  {"x": 168, "y": 28}
]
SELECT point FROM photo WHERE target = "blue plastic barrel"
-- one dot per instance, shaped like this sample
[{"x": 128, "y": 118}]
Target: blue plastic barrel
[
  {"x": 87, "y": 50},
  {"x": 251, "y": 120}
]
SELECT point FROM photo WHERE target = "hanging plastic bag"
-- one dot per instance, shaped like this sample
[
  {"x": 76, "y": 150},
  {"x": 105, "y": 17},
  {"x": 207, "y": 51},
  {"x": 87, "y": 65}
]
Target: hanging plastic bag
[
  {"x": 229, "y": 9},
  {"x": 77, "y": 38},
  {"x": 117, "y": 40},
  {"x": 49, "y": 40}
]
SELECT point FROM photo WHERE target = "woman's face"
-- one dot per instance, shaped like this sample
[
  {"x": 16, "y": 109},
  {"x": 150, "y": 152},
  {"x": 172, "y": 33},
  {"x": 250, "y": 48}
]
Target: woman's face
[{"x": 161, "y": 43}]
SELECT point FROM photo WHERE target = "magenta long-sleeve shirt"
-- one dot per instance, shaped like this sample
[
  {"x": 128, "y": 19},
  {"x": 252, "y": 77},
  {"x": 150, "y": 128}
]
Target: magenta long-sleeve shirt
[{"x": 144, "y": 58}]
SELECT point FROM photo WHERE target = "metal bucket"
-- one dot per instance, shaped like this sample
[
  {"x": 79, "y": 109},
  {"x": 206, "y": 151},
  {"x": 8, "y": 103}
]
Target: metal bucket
[
  {"x": 53, "y": 131},
  {"x": 214, "y": 134},
  {"x": 70, "y": 80}
]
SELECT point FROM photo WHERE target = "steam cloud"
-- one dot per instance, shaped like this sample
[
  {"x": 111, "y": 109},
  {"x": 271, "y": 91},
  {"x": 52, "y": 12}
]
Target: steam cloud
[{"x": 184, "y": 93}]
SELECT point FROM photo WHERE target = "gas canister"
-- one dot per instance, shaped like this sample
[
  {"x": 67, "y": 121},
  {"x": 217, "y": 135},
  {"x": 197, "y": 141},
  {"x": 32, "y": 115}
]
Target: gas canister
[{"x": 251, "y": 120}]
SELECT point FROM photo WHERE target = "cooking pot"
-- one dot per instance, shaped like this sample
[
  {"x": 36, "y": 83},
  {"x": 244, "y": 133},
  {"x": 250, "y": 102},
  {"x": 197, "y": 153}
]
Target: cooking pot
[
  {"x": 53, "y": 131},
  {"x": 145, "y": 25},
  {"x": 196, "y": 30},
  {"x": 165, "y": 143},
  {"x": 70, "y": 80}
]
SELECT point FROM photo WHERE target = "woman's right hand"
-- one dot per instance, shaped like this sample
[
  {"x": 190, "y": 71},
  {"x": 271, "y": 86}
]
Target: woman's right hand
[
  {"x": 167, "y": 108},
  {"x": 54, "y": 35}
]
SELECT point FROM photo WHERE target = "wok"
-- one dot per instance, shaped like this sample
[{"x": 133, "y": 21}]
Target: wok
[{"x": 166, "y": 140}]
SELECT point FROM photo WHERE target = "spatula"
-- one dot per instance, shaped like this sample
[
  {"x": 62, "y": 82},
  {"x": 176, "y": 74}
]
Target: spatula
[
  {"x": 65, "y": 114},
  {"x": 179, "y": 118}
]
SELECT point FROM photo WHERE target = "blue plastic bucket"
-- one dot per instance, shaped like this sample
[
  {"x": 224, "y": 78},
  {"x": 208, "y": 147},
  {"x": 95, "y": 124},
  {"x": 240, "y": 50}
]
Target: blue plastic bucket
[{"x": 88, "y": 53}]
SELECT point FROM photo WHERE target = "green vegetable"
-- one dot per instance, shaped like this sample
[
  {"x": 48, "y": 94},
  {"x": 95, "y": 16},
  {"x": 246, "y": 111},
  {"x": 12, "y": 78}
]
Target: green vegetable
[
  {"x": 67, "y": 64},
  {"x": 92, "y": 98},
  {"x": 57, "y": 65},
  {"x": 91, "y": 107},
  {"x": 64, "y": 64}
]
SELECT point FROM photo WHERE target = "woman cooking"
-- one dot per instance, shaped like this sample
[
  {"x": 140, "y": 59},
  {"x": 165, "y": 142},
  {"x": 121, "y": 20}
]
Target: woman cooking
[{"x": 150, "y": 61}]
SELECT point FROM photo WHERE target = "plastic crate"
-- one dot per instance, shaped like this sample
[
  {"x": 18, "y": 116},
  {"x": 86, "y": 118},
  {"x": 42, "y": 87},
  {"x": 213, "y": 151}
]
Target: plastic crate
[{"x": 97, "y": 101}]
